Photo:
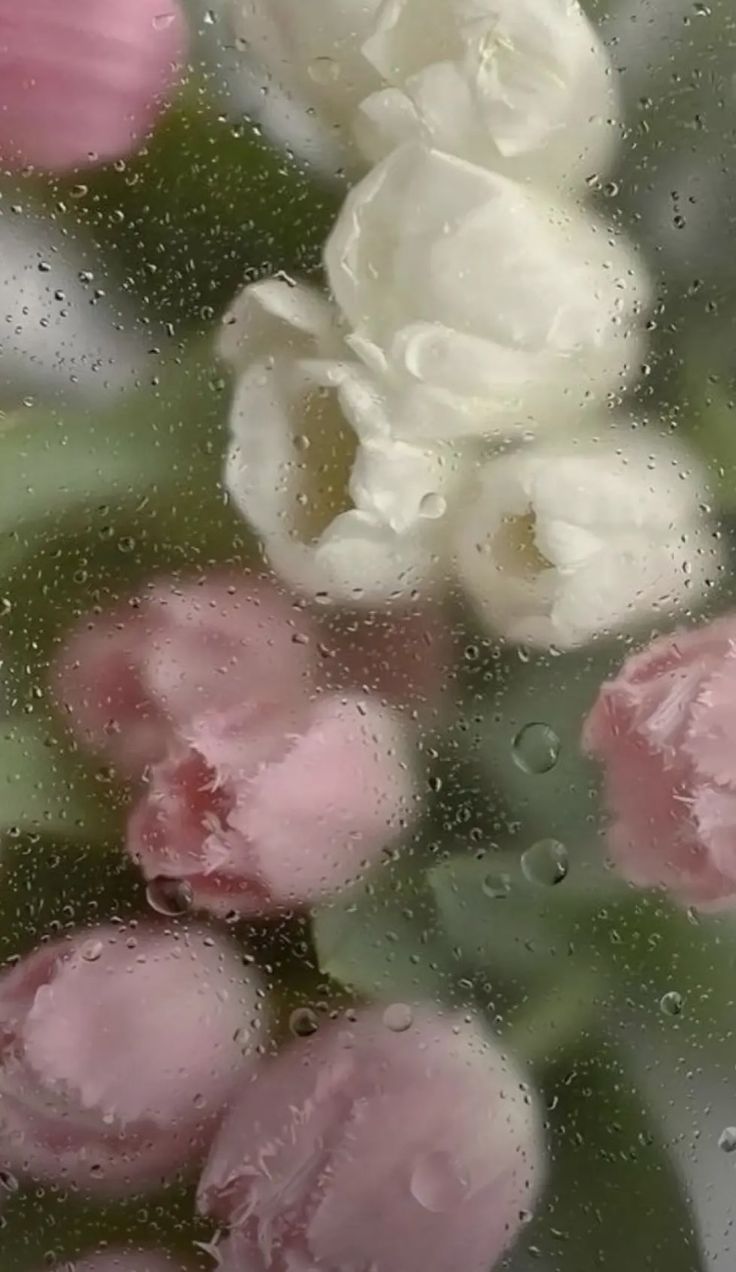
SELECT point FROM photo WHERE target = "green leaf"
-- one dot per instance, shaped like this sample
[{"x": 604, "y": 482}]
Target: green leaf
[
  {"x": 711, "y": 423},
  {"x": 381, "y": 938},
  {"x": 45, "y": 790},
  {"x": 557, "y": 802},
  {"x": 614, "y": 1197},
  {"x": 501, "y": 924},
  {"x": 56, "y": 466}
]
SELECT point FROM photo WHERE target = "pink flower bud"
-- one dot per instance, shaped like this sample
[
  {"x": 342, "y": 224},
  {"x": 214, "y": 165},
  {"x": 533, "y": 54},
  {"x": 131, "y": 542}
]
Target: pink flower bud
[
  {"x": 363, "y": 1147},
  {"x": 665, "y": 731},
  {"x": 127, "y": 680},
  {"x": 265, "y": 808},
  {"x": 122, "y": 1261},
  {"x": 82, "y": 81},
  {"x": 118, "y": 1051}
]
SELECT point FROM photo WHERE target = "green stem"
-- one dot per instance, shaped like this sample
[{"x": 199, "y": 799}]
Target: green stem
[{"x": 553, "y": 1022}]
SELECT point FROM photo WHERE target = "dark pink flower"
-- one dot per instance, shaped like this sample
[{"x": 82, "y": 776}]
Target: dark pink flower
[
  {"x": 119, "y": 1050},
  {"x": 665, "y": 731},
  {"x": 82, "y": 81},
  {"x": 362, "y": 1147},
  {"x": 260, "y": 808},
  {"x": 128, "y": 679}
]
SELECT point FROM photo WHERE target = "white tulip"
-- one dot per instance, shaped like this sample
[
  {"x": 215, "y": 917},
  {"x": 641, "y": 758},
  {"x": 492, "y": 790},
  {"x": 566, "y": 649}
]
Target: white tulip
[
  {"x": 488, "y": 309},
  {"x": 520, "y": 86},
  {"x": 345, "y": 512},
  {"x": 559, "y": 544},
  {"x": 523, "y": 86}
]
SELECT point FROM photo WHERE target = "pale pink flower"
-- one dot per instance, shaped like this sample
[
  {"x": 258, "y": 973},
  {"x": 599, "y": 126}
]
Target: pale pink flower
[
  {"x": 123, "y": 1261},
  {"x": 259, "y": 808},
  {"x": 119, "y": 1049},
  {"x": 362, "y": 1147},
  {"x": 665, "y": 731},
  {"x": 82, "y": 81},
  {"x": 128, "y": 679}
]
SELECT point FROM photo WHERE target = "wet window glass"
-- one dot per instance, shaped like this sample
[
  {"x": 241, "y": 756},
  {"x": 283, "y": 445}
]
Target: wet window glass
[{"x": 367, "y": 642}]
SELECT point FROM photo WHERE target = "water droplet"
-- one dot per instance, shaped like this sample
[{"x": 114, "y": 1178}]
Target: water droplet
[
  {"x": 244, "y": 1039},
  {"x": 545, "y": 863},
  {"x": 323, "y": 70},
  {"x": 536, "y": 748},
  {"x": 8, "y": 1182},
  {"x": 91, "y": 951},
  {"x": 436, "y": 1182},
  {"x": 163, "y": 20},
  {"x": 169, "y": 896},
  {"x": 727, "y": 1139},
  {"x": 496, "y": 886},
  {"x": 303, "y": 1022},
  {"x": 432, "y": 506},
  {"x": 398, "y": 1017},
  {"x": 671, "y": 1003}
]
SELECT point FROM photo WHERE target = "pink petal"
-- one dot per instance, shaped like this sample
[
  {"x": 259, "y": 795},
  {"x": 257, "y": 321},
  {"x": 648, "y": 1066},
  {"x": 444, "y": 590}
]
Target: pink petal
[{"x": 84, "y": 82}]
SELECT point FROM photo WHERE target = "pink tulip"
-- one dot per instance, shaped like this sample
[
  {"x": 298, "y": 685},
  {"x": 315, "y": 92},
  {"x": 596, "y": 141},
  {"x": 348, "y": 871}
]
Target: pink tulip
[
  {"x": 82, "y": 81},
  {"x": 362, "y": 1147},
  {"x": 123, "y": 1261},
  {"x": 665, "y": 731},
  {"x": 129, "y": 679},
  {"x": 260, "y": 808},
  {"x": 119, "y": 1049}
]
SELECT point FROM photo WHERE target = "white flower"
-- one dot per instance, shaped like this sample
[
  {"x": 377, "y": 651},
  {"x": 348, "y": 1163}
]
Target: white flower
[
  {"x": 520, "y": 86},
  {"x": 343, "y": 510},
  {"x": 559, "y": 544},
  {"x": 487, "y": 308}
]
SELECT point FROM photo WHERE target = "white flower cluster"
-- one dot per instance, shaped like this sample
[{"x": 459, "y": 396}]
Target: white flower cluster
[{"x": 447, "y": 414}]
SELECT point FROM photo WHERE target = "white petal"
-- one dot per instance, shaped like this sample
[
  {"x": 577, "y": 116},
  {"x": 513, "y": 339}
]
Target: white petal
[
  {"x": 562, "y": 544},
  {"x": 363, "y": 561},
  {"x": 404, "y": 485},
  {"x": 290, "y": 471},
  {"x": 473, "y": 285},
  {"x": 277, "y": 313},
  {"x": 523, "y": 86}
]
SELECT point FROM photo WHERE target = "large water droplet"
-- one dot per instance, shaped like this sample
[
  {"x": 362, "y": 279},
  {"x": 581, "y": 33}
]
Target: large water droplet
[
  {"x": 163, "y": 20},
  {"x": 536, "y": 748},
  {"x": 171, "y": 897},
  {"x": 437, "y": 1183},
  {"x": 545, "y": 863},
  {"x": 496, "y": 886},
  {"x": 671, "y": 1003},
  {"x": 432, "y": 506},
  {"x": 323, "y": 70},
  {"x": 398, "y": 1017},
  {"x": 303, "y": 1022},
  {"x": 727, "y": 1139},
  {"x": 91, "y": 951}
]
